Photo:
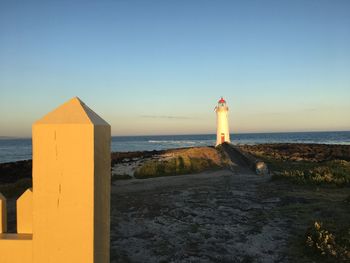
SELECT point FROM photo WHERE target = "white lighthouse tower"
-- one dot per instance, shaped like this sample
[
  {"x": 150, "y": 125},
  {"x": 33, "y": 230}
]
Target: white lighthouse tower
[{"x": 222, "y": 132}]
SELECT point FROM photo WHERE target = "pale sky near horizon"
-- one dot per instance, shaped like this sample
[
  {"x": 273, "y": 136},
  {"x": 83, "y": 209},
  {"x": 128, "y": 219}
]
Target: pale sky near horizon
[{"x": 159, "y": 67}]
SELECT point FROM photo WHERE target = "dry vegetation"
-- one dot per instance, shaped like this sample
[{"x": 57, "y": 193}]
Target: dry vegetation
[
  {"x": 327, "y": 168},
  {"x": 325, "y": 244},
  {"x": 183, "y": 161},
  {"x": 306, "y": 163}
]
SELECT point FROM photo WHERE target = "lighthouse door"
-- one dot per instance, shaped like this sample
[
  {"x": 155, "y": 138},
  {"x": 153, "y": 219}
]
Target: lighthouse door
[{"x": 222, "y": 137}]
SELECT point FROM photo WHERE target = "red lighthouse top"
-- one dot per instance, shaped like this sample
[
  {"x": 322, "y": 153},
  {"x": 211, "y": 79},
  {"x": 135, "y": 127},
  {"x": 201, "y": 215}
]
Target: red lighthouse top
[{"x": 222, "y": 100}]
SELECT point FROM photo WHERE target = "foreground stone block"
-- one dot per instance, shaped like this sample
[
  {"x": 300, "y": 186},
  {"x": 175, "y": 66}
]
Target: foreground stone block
[
  {"x": 25, "y": 213},
  {"x": 16, "y": 248},
  {"x": 3, "y": 214},
  {"x": 71, "y": 191}
]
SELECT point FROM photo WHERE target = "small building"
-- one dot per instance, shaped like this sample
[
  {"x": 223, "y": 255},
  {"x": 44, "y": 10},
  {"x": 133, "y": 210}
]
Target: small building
[{"x": 222, "y": 128}]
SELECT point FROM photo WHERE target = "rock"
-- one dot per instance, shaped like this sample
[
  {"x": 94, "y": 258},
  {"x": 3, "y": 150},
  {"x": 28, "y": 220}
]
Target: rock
[{"x": 261, "y": 168}]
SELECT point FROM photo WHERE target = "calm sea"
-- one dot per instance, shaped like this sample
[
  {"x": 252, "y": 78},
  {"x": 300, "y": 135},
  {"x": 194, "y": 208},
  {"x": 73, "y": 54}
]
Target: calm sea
[{"x": 21, "y": 149}]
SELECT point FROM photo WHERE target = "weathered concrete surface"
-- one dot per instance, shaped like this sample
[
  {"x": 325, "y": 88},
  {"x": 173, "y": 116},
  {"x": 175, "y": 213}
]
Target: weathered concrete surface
[
  {"x": 67, "y": 216},
  {"x": 214, "y": 216},
  {"x": 25, "y": 213},
  {"x": 244, "y": 160},
  {"x": 71, "y": 186}
]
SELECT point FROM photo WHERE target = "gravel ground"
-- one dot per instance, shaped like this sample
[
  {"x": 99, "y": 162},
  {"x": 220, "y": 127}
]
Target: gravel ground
[
  {"x": 218, "y": 216},
  {"x": 209, "y": 217}
]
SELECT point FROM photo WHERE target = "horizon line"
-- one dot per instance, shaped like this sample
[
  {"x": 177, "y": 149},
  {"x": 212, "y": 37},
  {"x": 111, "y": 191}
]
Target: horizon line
[{"x": 5, "y": 137}]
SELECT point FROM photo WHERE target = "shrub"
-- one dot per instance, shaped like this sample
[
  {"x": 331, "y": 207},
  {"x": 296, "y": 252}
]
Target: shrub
[
  {"x": 324, "y": 243},
  {"x": 332, "y": 172}
]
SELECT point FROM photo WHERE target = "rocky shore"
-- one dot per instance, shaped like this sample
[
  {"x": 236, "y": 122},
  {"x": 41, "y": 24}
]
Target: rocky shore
[
  {"x": 300, "y": 152},
  {"x": 125, "y": 164},
  {"x": 14, "y": 171}
]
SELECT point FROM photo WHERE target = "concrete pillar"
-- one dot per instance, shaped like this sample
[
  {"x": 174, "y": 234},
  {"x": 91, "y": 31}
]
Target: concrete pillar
[
  {"x": 25, "y": 213},
  {"x": 3, "y": 214},
  {"x": 71, "y": 192},
  {"x": 71, "y": 182}
]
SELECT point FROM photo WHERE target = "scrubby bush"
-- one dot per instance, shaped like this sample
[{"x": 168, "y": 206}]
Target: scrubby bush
[
  {"x": 323, "y": 243},
  {"x": 333, "y": 172},
  {"x": 306, "y": 163}
]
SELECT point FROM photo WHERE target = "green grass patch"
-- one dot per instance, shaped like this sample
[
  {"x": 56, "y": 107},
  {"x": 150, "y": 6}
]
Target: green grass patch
[
  {"x": 174, "y": 166},
  {"x": 336, "y": 172}
]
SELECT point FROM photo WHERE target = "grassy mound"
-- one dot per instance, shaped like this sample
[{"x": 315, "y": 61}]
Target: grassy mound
[{"x": 182, "y": 161}]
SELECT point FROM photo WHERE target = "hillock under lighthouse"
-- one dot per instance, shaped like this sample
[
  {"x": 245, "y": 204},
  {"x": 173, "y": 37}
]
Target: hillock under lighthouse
[{"x": 222, "y": 129}]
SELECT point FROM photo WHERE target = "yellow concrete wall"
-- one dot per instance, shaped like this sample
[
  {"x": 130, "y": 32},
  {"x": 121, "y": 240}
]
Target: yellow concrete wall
[
  {"x": 71, "y": 182},
  {"x": 16, "y": 248},
  {"x": 63, "y": 173},
  {"x": 25, "y": 212}
]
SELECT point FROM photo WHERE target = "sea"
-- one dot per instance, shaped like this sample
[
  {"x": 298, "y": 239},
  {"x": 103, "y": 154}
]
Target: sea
[{"x": 16, "y": 149}]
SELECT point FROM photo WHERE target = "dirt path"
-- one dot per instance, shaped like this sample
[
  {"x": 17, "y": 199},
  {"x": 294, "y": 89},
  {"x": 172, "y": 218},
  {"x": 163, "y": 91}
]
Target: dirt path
[{"x": 214, "y": 216}]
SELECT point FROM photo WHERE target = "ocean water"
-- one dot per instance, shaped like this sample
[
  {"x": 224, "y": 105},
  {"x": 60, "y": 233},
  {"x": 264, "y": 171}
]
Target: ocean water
[{"x": 21, "y": 149}]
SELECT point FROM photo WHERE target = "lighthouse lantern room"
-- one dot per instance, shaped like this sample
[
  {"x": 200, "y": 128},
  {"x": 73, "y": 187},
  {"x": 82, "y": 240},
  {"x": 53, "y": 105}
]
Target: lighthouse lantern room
[{"x": 222, "y": 132}]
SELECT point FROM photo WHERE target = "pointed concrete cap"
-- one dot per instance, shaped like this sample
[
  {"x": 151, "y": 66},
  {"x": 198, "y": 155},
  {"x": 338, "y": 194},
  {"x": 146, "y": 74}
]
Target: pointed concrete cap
[{"x": 73, "y": 111}]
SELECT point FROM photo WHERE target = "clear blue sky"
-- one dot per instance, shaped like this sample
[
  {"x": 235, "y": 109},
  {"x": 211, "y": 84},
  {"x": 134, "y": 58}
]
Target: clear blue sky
[{"x": 159, "y": 67}]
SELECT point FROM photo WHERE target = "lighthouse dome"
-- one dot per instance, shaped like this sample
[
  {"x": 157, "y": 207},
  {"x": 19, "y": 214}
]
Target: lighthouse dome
[{"x": 222, "y": 100}]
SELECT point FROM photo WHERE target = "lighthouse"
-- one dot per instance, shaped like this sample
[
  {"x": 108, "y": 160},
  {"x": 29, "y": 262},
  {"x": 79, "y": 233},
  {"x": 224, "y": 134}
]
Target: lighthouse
[{"x": 222, "y": 132}]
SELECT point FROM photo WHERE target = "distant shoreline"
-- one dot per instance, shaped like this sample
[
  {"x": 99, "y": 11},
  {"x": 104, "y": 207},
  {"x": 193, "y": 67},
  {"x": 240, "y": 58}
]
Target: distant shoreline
[
  {"x": 22, "y": 168},
  {"x": 117, "y": 155},
  {"x": 21, "y": 149},
  {"x": 192, "y": 134}
]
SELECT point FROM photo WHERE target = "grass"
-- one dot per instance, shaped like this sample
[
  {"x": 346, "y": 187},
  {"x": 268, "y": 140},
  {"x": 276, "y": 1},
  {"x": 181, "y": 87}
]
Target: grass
[
  {"x": 301, "y": 207},
  {"x": 336, "y": 172},
  {"x": 174, "y": 166},
  {"x": 306, "y": 163},
  {"x": 183, "y": 161}
]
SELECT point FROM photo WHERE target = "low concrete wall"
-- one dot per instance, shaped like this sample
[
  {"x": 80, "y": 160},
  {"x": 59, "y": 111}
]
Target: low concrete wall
[{"x": 257, "y": 165}]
